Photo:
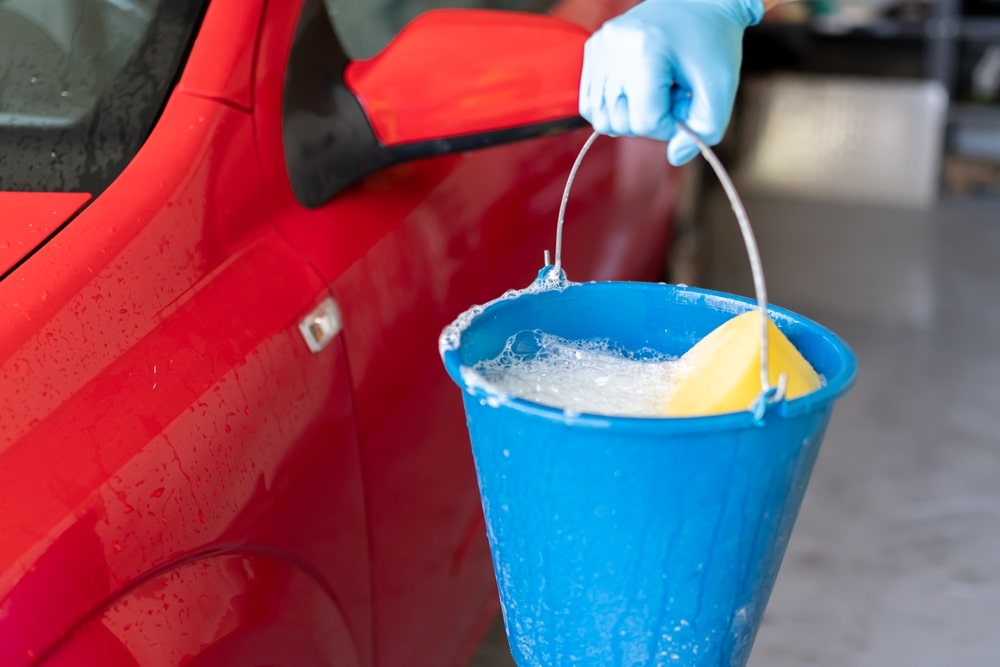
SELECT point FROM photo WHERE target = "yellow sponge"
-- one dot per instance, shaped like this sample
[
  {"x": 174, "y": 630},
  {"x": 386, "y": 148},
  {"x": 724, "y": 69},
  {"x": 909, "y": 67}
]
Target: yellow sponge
[{"x": 721, "y": 373}]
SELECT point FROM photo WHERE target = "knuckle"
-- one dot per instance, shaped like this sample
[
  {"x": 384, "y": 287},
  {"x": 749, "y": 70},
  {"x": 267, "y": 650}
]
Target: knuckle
[{"x": 645, "y": 124}]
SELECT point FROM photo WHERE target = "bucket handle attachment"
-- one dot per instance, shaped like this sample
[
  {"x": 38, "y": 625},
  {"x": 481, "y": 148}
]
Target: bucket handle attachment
[{"x": 769, "y": 395}]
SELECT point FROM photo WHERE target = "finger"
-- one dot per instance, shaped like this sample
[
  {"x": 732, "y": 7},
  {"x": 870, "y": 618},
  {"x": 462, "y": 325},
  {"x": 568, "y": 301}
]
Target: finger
[
  {"x": 650, "y": 112},
  {"x": 680, "y": 102},
  {"x": 712, "y": 97},
  {"x": 597, "y": 103},
  {"x": 600, "y": 118},
  {"x": 681, "y": 149},
  {"x": 648, "y": 86},
  {"x": 588, "y": 76},
  {"x": 618, "y": 115},
  {"x": 712, "y": 94}
]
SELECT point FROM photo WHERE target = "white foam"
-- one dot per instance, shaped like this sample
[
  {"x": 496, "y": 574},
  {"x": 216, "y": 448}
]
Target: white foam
[
  {"x": 451, "y": 337},
  {"x": 577, "y": 376}
]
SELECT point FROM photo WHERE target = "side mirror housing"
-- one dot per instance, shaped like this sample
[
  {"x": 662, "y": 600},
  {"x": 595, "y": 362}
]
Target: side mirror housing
[
  {"x": 450, "y": 81},
  {"x": 452, "y": 73}
]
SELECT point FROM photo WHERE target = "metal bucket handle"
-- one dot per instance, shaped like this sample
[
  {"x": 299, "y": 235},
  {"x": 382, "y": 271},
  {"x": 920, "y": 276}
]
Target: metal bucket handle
[{"x": 769, "y": 395}]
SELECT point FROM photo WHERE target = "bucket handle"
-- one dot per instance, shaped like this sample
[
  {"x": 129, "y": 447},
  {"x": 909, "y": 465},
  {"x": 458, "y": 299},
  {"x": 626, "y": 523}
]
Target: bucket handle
[{"x": 769, "y": 395}]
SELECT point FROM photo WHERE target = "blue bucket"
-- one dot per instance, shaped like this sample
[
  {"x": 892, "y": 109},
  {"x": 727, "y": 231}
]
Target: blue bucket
[{"x": 623, "y": 541}]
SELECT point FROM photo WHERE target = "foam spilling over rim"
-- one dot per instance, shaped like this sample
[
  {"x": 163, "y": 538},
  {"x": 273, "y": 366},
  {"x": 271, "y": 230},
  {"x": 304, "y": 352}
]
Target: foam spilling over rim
[{"x": 549, "y": 279}]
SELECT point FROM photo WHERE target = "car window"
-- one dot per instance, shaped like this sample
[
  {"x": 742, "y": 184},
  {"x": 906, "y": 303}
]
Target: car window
[
  {"x": 81, "y": 85},
  {"x": 366, "y": 26}
]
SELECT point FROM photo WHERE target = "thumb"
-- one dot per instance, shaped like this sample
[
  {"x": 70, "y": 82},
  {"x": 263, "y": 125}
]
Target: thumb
[
  {"x": 681, "y": 148},
  {"x": 706, "y": 112}
]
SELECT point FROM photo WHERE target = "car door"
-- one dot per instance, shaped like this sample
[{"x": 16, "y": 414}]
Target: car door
[
  {"x": 406, "y": 249},
  {"x": 179, "y": 472}
]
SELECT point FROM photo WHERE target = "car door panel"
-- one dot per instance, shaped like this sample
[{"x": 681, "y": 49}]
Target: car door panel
[
  {"x": 221, "y": 610},
  {"x": 158, "y": 403}
]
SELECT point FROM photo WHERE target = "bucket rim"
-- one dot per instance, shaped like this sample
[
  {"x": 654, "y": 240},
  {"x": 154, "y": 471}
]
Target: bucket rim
[{"x": 815, "y": 402}]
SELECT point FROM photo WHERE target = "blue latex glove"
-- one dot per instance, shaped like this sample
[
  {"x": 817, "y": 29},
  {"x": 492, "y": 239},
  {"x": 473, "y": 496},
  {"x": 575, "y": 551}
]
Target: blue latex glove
[{"x": 664, "y": 60}]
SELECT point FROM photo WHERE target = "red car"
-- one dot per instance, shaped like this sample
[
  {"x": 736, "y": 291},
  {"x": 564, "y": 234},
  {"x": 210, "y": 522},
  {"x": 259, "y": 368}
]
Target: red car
[{"x": 229, "y": 239}]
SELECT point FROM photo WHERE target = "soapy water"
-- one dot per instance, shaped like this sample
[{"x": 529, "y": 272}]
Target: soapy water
[
  {"x": 550, "y": 279},
  {"x": 593, "y": 376}
]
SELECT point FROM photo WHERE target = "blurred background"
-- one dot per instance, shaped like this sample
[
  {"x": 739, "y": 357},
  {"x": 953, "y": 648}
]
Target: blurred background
[{"x": 866, "y": 144}]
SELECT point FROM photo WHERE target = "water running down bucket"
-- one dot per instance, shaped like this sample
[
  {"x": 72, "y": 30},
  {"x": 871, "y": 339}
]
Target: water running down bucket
[{"x": 635, "y": 541}]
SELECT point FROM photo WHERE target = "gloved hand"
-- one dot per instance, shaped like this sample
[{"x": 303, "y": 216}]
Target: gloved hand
[{"x": 665, "y": 60}]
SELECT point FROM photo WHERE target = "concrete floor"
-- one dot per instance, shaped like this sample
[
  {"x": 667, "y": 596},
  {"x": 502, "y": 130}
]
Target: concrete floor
[{"x": 895, "y": 558}]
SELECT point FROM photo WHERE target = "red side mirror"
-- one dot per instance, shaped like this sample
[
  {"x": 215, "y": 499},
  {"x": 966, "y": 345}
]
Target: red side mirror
[
  {"x": 451, "y": 81},
  {"x": 454, "y": 73}
]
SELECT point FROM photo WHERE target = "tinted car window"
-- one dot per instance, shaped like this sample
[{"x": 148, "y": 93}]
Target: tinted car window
[
  {"x": 81, "y": 85},
  {"x": 366, "y": 26}
]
